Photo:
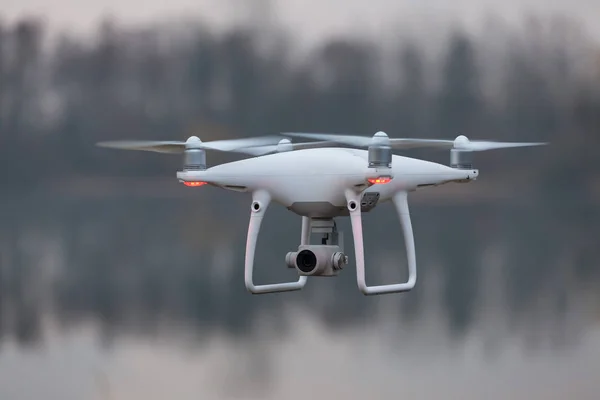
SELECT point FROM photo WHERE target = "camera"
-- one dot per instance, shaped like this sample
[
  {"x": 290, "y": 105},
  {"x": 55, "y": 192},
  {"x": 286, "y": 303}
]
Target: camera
[{"x": 317, "y": 260}]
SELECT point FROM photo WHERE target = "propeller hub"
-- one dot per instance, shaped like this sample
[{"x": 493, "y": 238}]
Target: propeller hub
[
  {"x": 284, "y": 145},
  {"x": 192, "y": 141},
  {"x": 461, "y": 142},
  {"x": 380, "y": 139}
]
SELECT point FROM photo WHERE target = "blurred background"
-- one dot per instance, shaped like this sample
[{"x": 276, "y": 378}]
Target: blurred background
[{"x": 117, "y": 282}]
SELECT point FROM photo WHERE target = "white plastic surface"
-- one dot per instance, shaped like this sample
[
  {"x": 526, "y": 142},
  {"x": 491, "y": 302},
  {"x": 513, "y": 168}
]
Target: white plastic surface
[
  {"x": 400, "y": 200},
  {"x": 305, "y": 235},
  {"x": 256, "y": 216},
  {"x": 322, "y": 175}
]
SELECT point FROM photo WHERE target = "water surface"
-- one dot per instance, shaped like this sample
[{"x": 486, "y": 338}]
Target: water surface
[{"x": 144, "y": 299}]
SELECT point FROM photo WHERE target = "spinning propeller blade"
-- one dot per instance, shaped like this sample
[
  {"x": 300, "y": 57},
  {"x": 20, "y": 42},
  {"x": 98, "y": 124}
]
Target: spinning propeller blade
[
  {"x": 460, "y": 143},
  {"x": 366, "y": 141},
  {"x": 233, "y": 145},
  {"x": 156, "y": 146},
  {"x": 357, "y": 141},
  {"x": 283, "y": 145}
]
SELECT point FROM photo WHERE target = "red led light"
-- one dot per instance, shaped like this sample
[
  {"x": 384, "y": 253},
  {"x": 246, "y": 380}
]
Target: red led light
[
  {"x": 194, "y": 183},
  {"x": 379, "y": 180}
]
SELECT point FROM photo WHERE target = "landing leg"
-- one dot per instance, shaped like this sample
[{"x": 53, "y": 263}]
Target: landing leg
[
  {"x": 260, "y": 203},
  {"x": 401, "y": 203}
]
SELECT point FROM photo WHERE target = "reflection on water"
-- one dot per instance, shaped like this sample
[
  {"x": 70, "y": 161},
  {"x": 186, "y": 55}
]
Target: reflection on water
[
  {"x": 360, "y": 363},
  {"x": 145, "y": 299}
]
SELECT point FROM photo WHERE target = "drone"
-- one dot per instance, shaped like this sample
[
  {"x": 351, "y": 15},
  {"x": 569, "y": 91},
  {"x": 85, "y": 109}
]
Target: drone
[{"x": 331, "y": 177}]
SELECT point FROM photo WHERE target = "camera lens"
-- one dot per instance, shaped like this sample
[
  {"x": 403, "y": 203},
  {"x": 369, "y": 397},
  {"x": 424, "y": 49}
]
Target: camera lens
[{"x": 306, "y": 261}]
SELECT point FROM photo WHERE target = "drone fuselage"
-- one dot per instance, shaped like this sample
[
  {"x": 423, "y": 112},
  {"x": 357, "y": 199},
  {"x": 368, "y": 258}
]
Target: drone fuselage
[{"x": 313, "y": 182}]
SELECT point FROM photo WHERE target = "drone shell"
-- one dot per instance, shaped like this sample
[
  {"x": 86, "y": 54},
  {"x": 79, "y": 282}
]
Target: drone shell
[{"x": 313, "y": 182}]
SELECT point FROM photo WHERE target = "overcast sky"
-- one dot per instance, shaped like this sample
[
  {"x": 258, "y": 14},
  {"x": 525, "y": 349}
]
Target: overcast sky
[{"x": 335, "y": 16}]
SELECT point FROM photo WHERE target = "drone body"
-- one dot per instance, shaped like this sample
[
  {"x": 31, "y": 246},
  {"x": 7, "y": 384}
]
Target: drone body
[
  {"x": 321, "y": 181},
  {"x": 312, "y": 183}
]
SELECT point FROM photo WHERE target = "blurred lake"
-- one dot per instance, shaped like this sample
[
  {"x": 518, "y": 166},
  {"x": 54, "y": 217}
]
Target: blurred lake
[{"x": 125, "y": 297}]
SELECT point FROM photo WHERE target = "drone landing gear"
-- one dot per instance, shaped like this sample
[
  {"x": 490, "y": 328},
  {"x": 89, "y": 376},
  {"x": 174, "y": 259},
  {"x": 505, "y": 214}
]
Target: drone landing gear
[
  {"x": 400, "y": 201},
  {"x": 260, "y": 202},
  {"x": 330, "y": 249}
]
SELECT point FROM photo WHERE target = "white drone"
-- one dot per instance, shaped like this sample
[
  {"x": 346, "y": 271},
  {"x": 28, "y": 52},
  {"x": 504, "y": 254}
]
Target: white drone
[{"x": 320, "y": 182}]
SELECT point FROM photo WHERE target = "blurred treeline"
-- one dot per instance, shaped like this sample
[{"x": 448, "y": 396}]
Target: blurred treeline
[{"x": 57, "y": 99}]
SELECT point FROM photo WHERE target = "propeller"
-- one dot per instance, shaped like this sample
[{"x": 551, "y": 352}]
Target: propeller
[
  {"x": 460, "y": 143},
  {"x": 284, "y": 145},
  {"x": 464, "y": 144},
  {"x": 194, "y": 142}
]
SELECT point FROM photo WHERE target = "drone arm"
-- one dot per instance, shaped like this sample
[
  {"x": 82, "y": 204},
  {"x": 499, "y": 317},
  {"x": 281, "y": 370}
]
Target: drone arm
[
  {"x": 260, "y": 202},
  {"x": 401, "y": 203}
]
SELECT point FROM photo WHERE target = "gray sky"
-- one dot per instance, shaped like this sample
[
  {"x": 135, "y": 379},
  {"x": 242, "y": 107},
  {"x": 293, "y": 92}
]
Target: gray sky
[{"x": 335, "y": 16}]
